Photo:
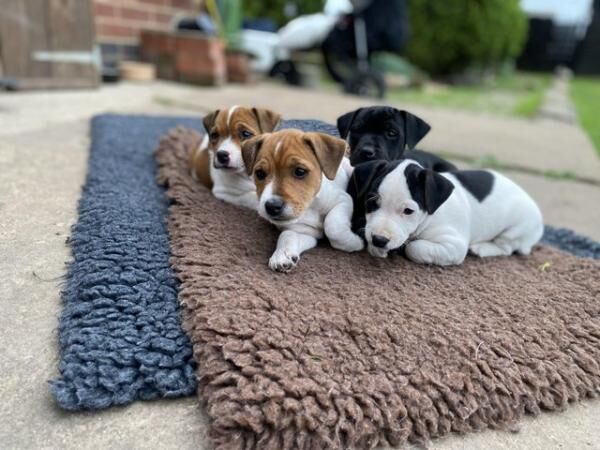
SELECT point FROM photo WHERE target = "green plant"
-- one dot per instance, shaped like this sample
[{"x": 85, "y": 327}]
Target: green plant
[
  {"x": 275, "y": 9},
  {"x": 449, "y": 37}
]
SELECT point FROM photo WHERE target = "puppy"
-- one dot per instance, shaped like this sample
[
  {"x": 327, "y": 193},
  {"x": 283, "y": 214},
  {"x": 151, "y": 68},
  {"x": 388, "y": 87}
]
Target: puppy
[
  {"x": 441, "y": 216},
  {"x": 301, "y": 181},
  {"x": 383, "y": 132},
  {"x": 217, "y": 163}
]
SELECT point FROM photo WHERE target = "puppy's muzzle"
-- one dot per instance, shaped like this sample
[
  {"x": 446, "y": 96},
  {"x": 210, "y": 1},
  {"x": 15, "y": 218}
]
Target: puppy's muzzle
[
  {"x": 222, "y": 159},
  {"x": 379, "y": 241},
  {"x": 274, "y": 207},
  {"x": 367, "y": 153}
]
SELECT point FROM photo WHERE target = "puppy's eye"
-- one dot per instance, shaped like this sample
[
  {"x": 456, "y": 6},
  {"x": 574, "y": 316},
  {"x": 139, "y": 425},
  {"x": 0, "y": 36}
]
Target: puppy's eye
[
  {"x": 245, "y": 134},
  {"x": 260, "y": 174},
  {"x": 408, "y": 211},
  {"x": 372, "y": 203},
  {"x": 214, "y": 136},
  {"x": 300, "y": 172},
  {"x": 391, "y": 133}
]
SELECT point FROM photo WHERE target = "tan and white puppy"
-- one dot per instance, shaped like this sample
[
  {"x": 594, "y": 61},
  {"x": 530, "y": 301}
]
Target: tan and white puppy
[
  {"x": 217, "y": 163},
  {"x": 301, "y": 181}
]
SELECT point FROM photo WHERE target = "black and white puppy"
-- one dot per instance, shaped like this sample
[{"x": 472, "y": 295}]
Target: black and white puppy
[
  {"x": 439, "y": 217},
  {"x": 383, "y": 132}
]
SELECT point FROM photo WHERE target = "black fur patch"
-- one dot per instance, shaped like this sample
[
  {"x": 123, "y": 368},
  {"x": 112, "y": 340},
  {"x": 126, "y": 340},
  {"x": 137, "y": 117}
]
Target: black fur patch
[
  {"x": 428, "y": 188},
  {"x": 478, "y": 182},
  {"x": 430, "y": 161},
  {"x": 383, "y": 132}
]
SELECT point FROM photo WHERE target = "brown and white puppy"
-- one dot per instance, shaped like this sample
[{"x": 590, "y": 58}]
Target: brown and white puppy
[
  {"x": 301, "y": 181},
  {"x": 217, "y": 162}
]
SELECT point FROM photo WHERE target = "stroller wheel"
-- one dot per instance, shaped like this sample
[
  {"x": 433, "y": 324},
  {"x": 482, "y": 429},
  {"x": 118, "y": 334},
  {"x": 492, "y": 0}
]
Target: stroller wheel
[{"x": 366, "y": 84}]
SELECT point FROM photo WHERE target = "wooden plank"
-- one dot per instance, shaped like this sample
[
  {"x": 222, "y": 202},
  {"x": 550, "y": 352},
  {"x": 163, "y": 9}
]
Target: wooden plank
[
  {"x": 32, "y": 83},
  {"x": 37, "y": 34},
  {"x": 71, "y": 28},
  {"x": 22, "y": 31},
  {"x": 14, "y": 38}
]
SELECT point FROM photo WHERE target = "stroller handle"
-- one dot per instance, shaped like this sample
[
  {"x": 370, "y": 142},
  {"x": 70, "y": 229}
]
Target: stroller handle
[{"x": 360, "y": 5}]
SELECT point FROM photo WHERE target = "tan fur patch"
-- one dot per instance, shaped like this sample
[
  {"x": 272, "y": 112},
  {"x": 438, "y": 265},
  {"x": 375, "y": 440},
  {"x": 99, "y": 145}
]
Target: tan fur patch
[
  {"x": 200, "y": 164},
  {"x": 280, "y": 154}
]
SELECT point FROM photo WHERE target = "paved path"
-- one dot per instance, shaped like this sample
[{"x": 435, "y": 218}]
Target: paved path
[
  {"x": 557, "y": 104},
  {"x": 43, "y": 155}
]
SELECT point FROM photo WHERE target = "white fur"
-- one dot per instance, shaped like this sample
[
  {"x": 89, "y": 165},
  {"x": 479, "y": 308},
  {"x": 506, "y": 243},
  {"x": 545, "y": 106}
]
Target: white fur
[
  {"x": 235, "y": 154},
  {"x": 230, "y": 114},
  {"x": 506, "y": 221},
  {"x": 233, "y": 186},
  {"x": 329, "y": 214}
]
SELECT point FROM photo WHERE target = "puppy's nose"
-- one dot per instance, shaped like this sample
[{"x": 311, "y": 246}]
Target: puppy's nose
[
  {"x": 379, "y": 241},
  {"x": 274, "y": 206},
  {"x": 367, "y": 153},
  {"x": 223, "y": 157}
]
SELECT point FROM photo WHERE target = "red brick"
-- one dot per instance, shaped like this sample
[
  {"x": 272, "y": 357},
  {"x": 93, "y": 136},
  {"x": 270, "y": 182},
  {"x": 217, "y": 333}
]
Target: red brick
[
  {"x": 134, "y": 13},
  {"x": 104, "y": 9},
  {"x": 155, "y": 2},
  {"x": 183, "y": 4},
  {"x": 163, "y": 18},
  {"x": 112, "y": 30}
]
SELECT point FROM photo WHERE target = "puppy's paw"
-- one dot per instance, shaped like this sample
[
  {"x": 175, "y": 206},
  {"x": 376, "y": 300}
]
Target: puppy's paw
[
  {"x": 354, "y": 243},
  {"x": 425, "y": 252},
  {"x": 487, "y": 249},
  {"x": 282, "y": 261},
  {"x": 418, "y": 251}
]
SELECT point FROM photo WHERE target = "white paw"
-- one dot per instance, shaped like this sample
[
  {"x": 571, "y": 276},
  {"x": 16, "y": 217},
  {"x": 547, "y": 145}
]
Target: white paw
[
  {"x": 414, "y": 254},
  {"x": 282, "y": 261},
  {"x": 477, "y": 249},
  {"x": 354, "y": 243},
  {"x": 487, "y": 249}
]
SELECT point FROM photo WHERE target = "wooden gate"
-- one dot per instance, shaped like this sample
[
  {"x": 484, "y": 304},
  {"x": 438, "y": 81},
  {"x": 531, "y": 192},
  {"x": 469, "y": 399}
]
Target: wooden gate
[{"x": 47, "y": 43}]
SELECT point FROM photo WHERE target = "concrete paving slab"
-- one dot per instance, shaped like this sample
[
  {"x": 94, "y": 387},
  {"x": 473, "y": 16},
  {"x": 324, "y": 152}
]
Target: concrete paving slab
[{"x": 43, "y": 156}]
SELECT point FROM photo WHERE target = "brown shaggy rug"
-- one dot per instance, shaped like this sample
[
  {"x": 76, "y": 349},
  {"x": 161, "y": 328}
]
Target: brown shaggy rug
[{"x": 349, "y": 351}]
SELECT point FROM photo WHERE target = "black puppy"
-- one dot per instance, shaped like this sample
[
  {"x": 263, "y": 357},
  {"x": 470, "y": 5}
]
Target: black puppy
[{"x": 383, "y": 132}]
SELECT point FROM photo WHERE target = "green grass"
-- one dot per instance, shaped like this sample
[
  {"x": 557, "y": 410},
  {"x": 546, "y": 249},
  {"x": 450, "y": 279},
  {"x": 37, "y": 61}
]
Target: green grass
[
  {"x": 585, "y": 93},
  {"x": 514, "y": 94},
  {"x": 517, "y": 94}
]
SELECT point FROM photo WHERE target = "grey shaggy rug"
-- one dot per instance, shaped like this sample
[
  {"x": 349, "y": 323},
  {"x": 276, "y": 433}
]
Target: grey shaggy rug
[{"x": 120, "y": 335}]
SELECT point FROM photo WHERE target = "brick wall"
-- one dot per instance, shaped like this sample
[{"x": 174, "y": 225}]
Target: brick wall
[{"x": 120, "y": 21}]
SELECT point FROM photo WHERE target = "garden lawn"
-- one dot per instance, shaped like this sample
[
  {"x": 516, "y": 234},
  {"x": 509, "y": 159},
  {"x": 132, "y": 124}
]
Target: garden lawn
[
  {"x": 585, "y": 93},
  {"x": 518, "y": 94}
]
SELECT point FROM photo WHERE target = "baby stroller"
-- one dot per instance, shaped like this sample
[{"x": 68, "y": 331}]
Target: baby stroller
[
  {"x": 347, "y": 32},
  {"x": 372, "y": 26}
]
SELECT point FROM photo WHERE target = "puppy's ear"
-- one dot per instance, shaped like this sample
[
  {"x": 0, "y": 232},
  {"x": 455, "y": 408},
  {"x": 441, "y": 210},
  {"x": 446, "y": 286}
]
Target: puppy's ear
[
  {"x": 415, "y": 128},
  {"x": 363, "y": 176},
  {"x": 345, "y": 122},
  {"x": 428, "y": 188},
  {"x": 209, "y": 120},
  {"x": 267, "y": 120},
  {"x": 329, "y": 151},
  {"x": 250, "y": 150}
]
